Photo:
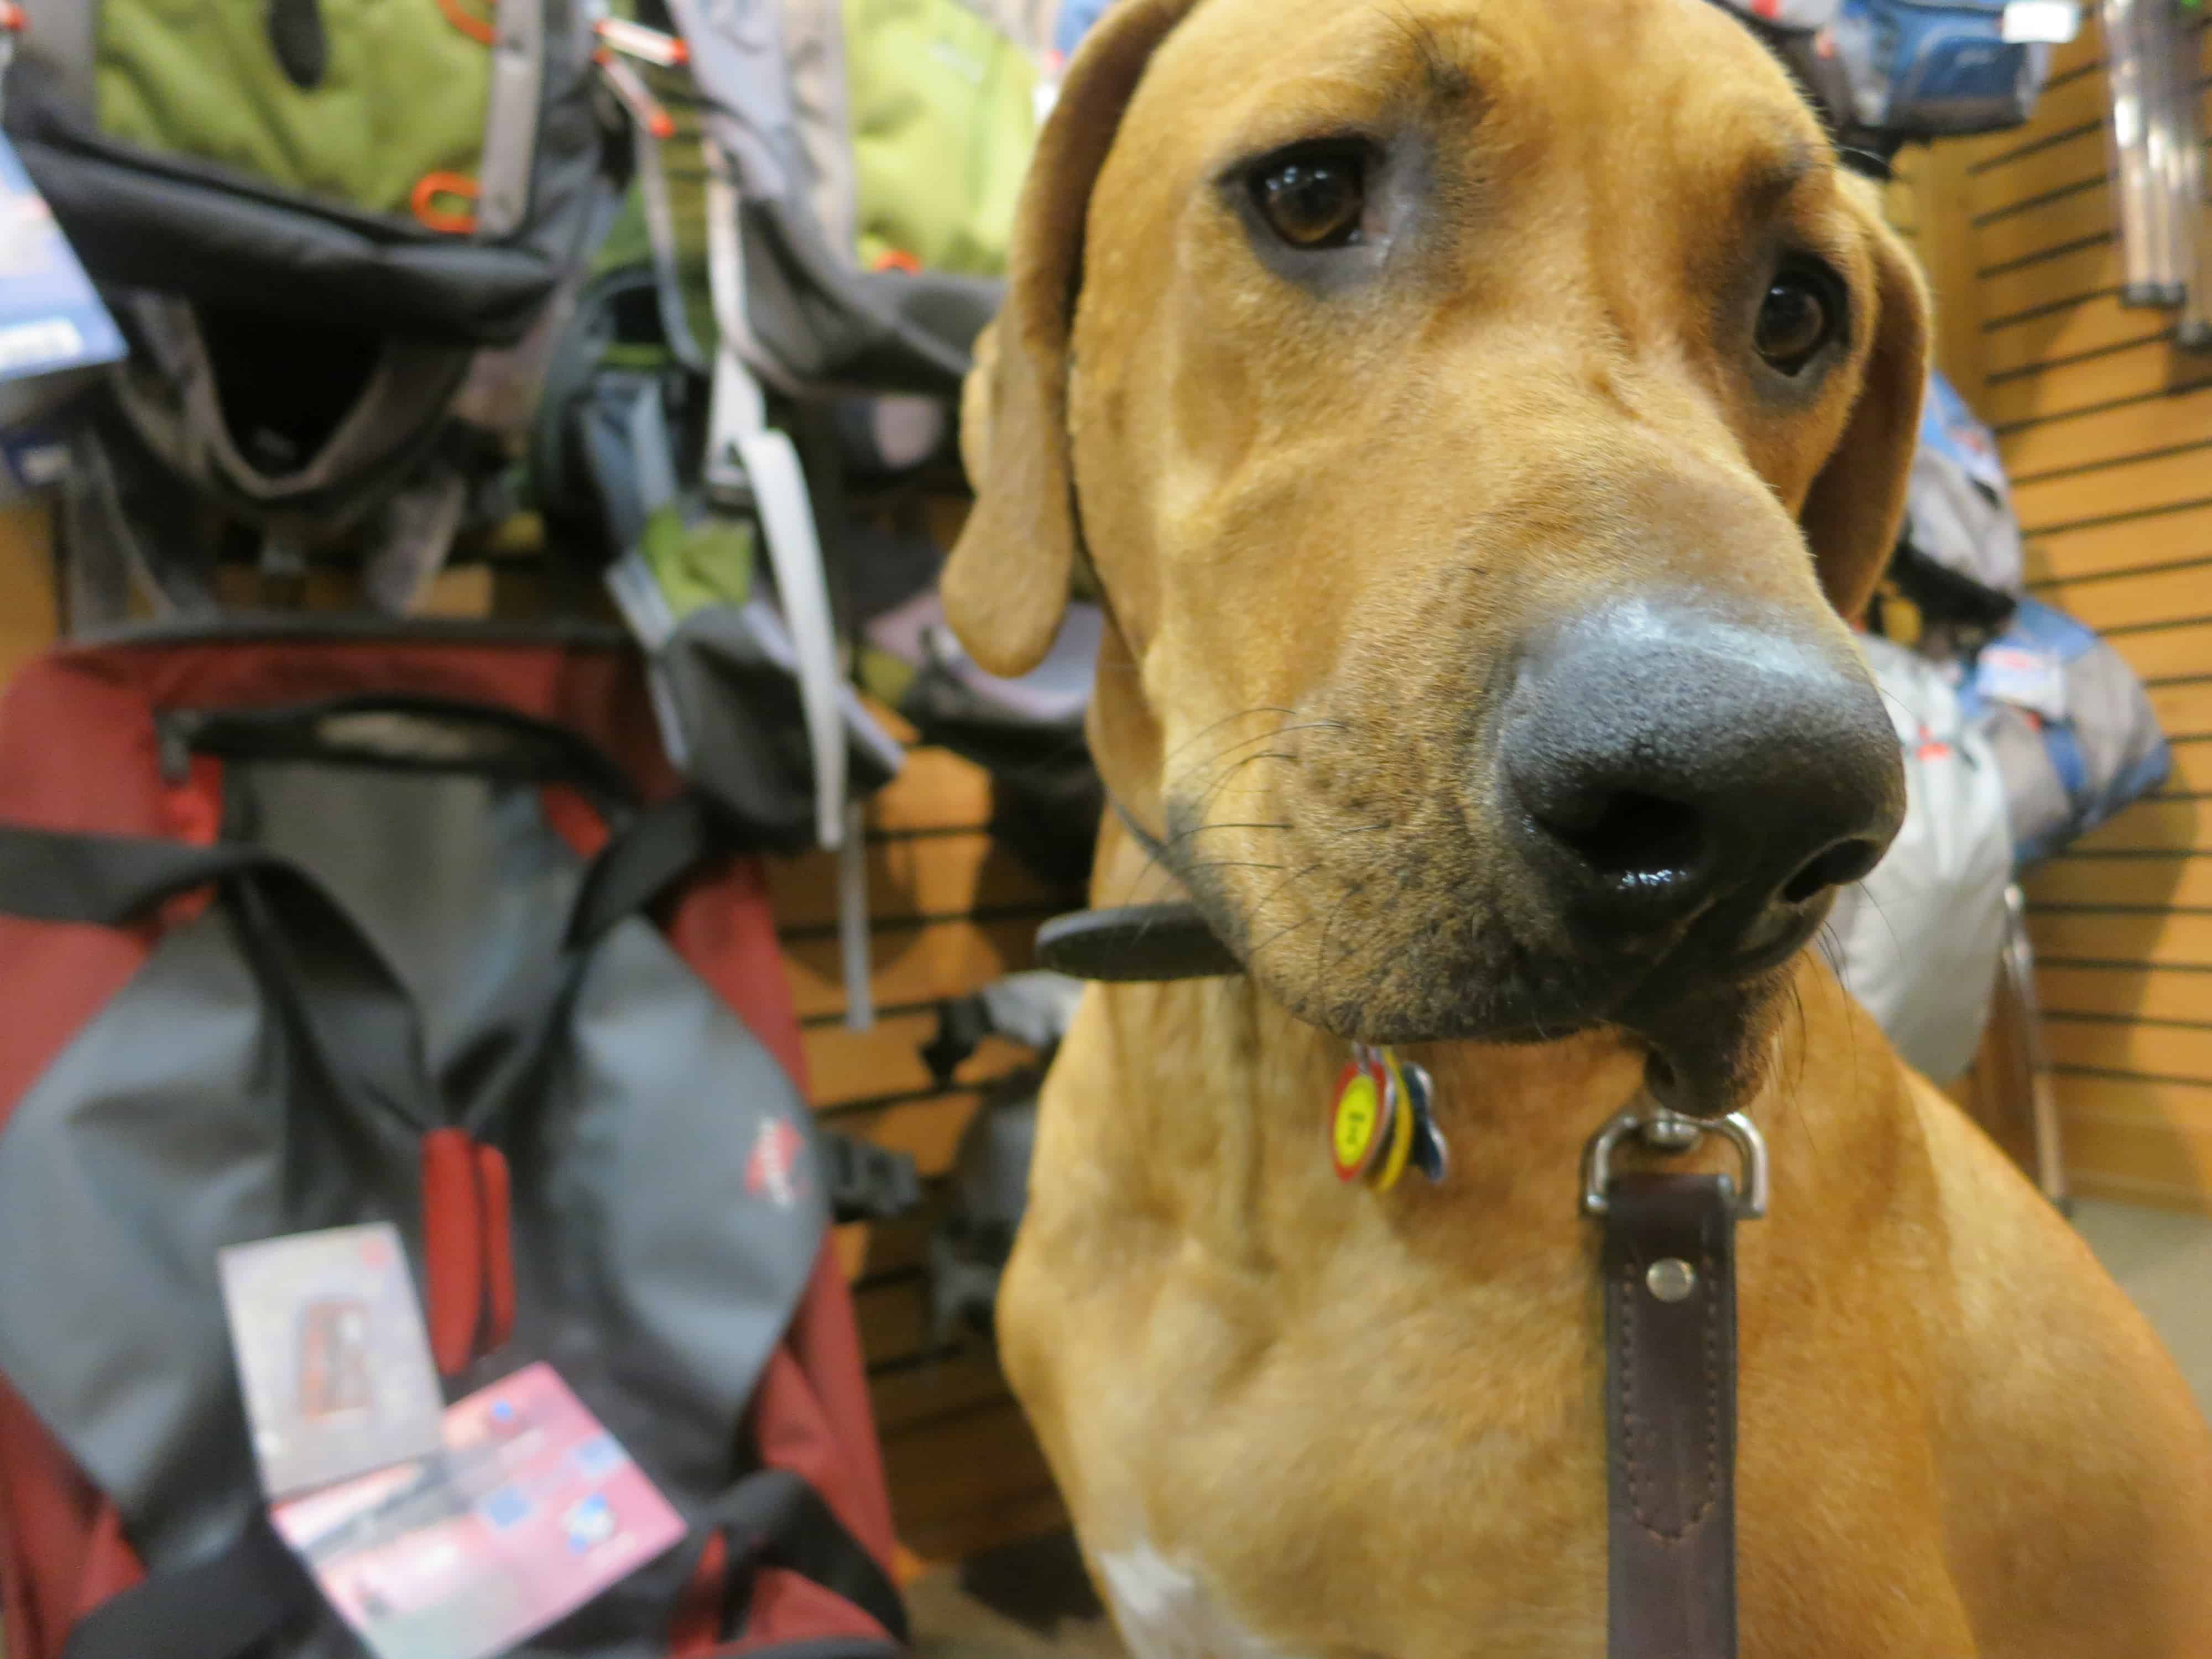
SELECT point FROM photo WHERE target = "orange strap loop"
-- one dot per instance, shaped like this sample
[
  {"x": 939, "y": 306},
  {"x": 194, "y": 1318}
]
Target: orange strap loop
[
  {"x": 476, "y": 28},
  {"x": 432, "y": 186}
]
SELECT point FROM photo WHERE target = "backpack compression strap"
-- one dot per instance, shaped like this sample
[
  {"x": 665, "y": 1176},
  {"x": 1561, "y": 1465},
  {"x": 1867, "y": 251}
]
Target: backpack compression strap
[
  {"x": 226, "y": 1607},
  {"x": 220, "y": 1608}
]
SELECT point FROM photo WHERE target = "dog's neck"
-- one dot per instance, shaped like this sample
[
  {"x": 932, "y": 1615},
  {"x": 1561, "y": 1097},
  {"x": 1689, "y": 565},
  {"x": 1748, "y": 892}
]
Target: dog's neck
[
  {"x": 1218, "y": 1125},
  {"x": 1221, "y": 1109}
]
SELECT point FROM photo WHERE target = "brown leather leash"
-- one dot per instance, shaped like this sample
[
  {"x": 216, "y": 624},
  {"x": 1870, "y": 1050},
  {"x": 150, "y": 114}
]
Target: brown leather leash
[{"x": 1668, "y": 1268}]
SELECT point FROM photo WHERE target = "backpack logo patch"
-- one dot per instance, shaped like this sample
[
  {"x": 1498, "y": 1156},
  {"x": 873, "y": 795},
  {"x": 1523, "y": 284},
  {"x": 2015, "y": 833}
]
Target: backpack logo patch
[{"x": 772, "y": 1170}]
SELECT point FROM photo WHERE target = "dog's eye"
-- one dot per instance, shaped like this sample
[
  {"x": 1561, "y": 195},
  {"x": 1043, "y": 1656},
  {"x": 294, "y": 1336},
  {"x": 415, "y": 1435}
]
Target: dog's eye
[
  {"x": 1802, "y": 312},
  {"x": 1315, "y": 198}
]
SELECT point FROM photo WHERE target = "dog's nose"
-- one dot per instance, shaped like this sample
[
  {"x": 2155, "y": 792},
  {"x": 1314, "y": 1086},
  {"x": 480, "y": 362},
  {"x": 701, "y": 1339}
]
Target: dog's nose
[{"x": 1664, "y": 762}]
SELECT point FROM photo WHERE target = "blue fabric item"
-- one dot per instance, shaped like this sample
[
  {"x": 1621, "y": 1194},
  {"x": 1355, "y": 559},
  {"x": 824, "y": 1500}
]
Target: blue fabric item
[
  {"x": 2074, "y": 731},
  {"x": 1922, "y": 68},
  {"x": 1954, "y": 432},
  {"x": 1076, "y": 17}
]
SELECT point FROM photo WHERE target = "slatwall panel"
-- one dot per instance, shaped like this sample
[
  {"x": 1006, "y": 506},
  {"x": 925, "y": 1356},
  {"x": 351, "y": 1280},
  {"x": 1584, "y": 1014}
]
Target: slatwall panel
[
  {"x": 2107, "y": 431},
  {"x": 952, "y": 910}
]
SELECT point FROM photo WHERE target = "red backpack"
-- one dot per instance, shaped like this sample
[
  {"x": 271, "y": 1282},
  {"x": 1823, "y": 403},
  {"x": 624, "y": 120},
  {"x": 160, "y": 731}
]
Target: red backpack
[{"x": 303, "y": 926}]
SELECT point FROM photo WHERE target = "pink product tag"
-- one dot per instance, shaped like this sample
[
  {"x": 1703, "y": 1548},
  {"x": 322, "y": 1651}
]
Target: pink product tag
[{"x": 530, "y": 1511}]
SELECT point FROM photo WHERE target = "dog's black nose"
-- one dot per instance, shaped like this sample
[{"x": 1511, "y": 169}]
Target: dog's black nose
[{"x": 1661, "y": 763}]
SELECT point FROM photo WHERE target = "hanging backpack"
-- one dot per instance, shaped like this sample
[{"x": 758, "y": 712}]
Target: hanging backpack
[
  {"x": 1917, "y": 941},
  {"x": 1886, "y": 72},
  {"x": 823, "y": 192},
  {"x": 1958, "y": 565},
  {"x": 1959, "y": 504},
  {"x": 424, "y": 167},
  {"x": 1929, "y": 69},
  {"x": 306, "y": 926},
  {"x": 335, "y": 235},
  {"x": 2072, "y": 727}
]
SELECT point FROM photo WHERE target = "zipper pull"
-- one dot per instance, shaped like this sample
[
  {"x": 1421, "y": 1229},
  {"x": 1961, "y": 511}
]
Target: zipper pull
[
  {"x": 632, "y": 94},
  {"x": 635, "y": 40}
]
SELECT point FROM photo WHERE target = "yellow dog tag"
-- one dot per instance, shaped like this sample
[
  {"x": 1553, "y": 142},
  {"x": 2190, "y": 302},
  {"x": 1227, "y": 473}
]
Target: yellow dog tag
[
  {"x": 1380, "y": 1120},
  {"x": 1363, "y": 1118}
]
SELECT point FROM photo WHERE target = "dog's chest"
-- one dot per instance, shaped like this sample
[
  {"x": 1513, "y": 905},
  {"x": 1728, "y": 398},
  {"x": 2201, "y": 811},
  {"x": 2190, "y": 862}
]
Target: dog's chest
[{"x": 1165, "y": 1611}]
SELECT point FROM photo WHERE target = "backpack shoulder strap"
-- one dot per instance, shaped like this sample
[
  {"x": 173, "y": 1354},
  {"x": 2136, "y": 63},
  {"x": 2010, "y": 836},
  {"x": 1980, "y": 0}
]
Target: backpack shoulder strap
[
  {"x": 781, "y": 1515},
  {"x": 224, "y": 1606},
  {"x": 60, "y": 875}
]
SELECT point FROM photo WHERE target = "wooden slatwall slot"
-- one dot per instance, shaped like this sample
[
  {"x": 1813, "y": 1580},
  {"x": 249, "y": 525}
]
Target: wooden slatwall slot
[
  {"x": 28, "y": 620},
  {"x": 949, "y": 910},
  {"x": 2106, "y": 429}
]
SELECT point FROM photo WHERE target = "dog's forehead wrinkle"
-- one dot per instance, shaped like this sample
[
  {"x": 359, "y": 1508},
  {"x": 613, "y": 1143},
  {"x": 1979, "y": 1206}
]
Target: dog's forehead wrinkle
[
  {"x": 1448, "y": 77},
  {"x": 1772, "y": 175}
]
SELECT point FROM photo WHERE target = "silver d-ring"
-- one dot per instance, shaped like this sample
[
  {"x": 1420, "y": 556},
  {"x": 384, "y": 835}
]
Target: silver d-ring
[{"x": 1750, "y": 1194}]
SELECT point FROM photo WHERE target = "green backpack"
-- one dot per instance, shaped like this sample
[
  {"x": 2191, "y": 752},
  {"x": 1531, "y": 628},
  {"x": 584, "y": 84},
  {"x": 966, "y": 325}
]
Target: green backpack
[
  {"x": 873, "y": 150},
  {"x": 822, "y": 198},
  {"x": 423, "y": 166},
  {"x": 337, "y": 234}
]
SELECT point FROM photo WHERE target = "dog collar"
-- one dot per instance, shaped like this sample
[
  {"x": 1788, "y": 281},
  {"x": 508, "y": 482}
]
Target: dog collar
[{"x": 1135, "y": 943}]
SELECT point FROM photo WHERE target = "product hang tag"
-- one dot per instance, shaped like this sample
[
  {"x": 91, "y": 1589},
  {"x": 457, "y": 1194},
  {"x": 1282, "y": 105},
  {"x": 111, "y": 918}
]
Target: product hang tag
[
  {"x": 530, "y": 1509},
  {"x": 2029, "y": 679},
  {"x": 334, "y": 1361},
  {"x": 2053, "y": 22}
]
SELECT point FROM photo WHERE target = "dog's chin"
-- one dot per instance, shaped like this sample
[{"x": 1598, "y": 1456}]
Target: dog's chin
[{"x": 1703, "y": 1009}]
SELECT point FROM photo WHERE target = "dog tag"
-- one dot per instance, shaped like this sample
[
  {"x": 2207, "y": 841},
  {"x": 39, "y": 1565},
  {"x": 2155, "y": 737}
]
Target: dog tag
[
  {"x": 1392, "y": 1162},
  {"x": 1430, "y": 1156},
  {"x": 1362, "y": 1118}
]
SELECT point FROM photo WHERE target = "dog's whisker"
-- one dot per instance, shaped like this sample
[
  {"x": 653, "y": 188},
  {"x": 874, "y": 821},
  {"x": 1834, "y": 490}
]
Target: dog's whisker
[
  {"x": 1832, "y": 949},
  {"x": 1181, "y": 835},
  {"x": 1276, "y": 890},
  {"x": 1874, "y": 900},
  {"x": 1214, "y": 790},
  {"x": 1241, "y": 714},
  {"x": 1266, "y": 737},
  {"x": 1279, "y": 934}
]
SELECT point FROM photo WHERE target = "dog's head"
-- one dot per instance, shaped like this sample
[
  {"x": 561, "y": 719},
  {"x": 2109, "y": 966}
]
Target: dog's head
[{"x": 1480, "y": 415}]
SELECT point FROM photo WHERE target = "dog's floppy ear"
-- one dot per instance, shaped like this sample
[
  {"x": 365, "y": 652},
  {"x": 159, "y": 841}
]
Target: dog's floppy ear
[
  {"x": 1853, "y": 510},
  {"x": 1006, "y": 586}
]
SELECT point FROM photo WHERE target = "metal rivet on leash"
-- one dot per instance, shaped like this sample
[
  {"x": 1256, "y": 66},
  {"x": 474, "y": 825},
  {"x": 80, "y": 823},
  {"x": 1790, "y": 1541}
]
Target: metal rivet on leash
[
  {"x": 1671, "y": 1279},
  {"x": 1670, "y": 1132}
]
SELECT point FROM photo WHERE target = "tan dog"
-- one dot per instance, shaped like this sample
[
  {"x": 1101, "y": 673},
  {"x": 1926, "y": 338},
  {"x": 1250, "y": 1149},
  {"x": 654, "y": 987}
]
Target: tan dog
[{"x": 1478, "y": 413}]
